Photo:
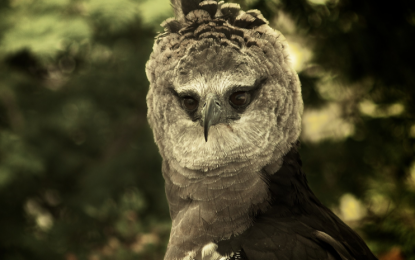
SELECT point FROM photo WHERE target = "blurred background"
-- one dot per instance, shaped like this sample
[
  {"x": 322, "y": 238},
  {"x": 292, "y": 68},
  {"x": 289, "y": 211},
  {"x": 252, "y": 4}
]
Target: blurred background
[{"x": 80, "y": 175}]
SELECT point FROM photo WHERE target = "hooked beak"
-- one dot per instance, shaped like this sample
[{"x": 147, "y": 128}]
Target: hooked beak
[{"x": 210, "y": 113}]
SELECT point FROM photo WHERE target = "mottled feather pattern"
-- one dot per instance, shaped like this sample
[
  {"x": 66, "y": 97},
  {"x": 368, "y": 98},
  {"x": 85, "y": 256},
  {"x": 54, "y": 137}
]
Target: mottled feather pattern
[{"x": 240, "y": 195}]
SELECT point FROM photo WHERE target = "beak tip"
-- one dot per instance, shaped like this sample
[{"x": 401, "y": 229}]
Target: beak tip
[
  {"x": 206, "y": 136},
  {"x": 211, "y": 113}
]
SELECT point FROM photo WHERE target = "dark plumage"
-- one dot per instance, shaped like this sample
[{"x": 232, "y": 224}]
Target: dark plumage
[
  {"x": 225, "y": 107},
  {"x": 297, "y": 225}
]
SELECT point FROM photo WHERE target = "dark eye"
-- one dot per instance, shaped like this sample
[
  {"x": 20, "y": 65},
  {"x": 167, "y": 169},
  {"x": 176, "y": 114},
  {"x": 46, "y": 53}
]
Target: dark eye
[
  {"x": 239, "y": 98},
  {"x": 190, "y": 103}
]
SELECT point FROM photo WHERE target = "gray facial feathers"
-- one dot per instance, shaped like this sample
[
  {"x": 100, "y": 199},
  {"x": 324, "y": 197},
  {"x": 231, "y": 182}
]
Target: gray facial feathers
[{"x": 216, "y": 187}]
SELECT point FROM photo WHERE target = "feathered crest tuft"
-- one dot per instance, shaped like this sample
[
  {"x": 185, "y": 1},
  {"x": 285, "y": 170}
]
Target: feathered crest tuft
[
  {"x": 188, "y": 12},
  {"x": 183, "y": 7}
]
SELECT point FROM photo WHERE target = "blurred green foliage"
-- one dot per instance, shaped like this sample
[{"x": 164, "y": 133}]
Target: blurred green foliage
[
  {"x": 80, "y": 174},
  {"x": 79, "y": 171}
]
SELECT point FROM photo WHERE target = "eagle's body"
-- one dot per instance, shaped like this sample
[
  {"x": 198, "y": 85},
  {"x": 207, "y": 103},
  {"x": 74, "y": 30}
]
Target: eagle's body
[{"x": 225, "y": 108}]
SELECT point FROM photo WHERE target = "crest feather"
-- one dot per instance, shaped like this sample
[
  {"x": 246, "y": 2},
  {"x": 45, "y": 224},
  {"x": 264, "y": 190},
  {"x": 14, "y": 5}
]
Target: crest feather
[
  {"x": 183, "y": 7},
  {"x": 209, "y": 6},
  {"x": 171, "y": 25}
]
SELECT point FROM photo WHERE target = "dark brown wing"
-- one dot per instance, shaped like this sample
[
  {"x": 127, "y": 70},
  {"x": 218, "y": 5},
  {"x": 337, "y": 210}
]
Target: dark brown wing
[{"x": 297, "y": 225}]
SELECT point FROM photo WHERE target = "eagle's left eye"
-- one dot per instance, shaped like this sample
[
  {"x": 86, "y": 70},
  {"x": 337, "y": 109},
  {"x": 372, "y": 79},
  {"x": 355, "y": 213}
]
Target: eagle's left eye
[
  {"x": 190, "y": 104},
  {"x": 239, "y": 99}
]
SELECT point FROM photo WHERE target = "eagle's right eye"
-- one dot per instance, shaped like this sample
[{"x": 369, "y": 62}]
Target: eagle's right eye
[
  {"x": 190, "y": 104},
  {"x": 239, "y": 99}
]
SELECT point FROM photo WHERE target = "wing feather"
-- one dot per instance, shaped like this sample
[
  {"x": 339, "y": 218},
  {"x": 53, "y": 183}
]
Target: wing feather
[{"x": 297, "y": 226}]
